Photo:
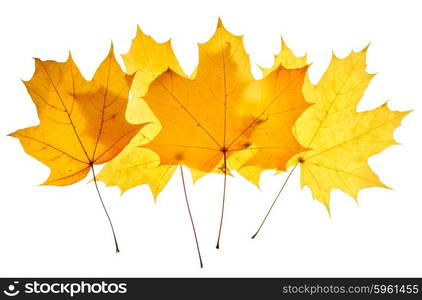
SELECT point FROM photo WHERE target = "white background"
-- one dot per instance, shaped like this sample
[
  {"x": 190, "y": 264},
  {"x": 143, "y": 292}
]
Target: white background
[{"x": 62, "y": 231}]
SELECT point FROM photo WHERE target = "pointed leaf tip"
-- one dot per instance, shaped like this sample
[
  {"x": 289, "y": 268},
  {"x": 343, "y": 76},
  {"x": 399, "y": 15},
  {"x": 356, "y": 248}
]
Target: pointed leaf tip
[
  {"x": 69, "y": 56},
  {"x": 111, "y": 51},
  {"x": 365, "y": 49}
]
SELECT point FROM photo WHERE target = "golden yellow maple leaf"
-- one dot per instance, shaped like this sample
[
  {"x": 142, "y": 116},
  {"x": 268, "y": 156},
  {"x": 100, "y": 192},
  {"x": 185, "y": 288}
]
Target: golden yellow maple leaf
[
  {"x": 220, "y": 112},
  {"x": 82, "y": 123},
  {"x": 210, "y": 117},
  {"x": 341, "y": 140},
  {"x": 134, "y": 165}
]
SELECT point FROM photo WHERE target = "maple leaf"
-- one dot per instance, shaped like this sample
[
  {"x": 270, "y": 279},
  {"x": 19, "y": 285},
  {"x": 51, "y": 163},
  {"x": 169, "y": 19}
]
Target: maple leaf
[
  {"x": 341, "y": 140},
  {"x": 208, "y": 118},
  {"x": 134, "y": 165},
  {"x": 82, "y": 123}
]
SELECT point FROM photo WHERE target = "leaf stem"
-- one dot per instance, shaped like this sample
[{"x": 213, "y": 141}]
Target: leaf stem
[
  {"x": 191, "y": 218},
  {"x": 275, "y": 200},
  {"x": 105, "y": 210},
  {"x": 224, "y": 200}
]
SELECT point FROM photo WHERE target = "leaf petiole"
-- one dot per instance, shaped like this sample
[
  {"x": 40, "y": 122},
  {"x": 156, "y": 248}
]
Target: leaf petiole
[
  {"x": 105, "y": 210},
  {"x": 275, "y": 200},
  {"x": 224, "y": 200},
  {"x": 191, "y": 218}
]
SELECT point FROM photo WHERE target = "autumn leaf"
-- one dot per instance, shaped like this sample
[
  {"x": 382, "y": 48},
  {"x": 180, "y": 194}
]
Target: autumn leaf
[
  {"x": 212, "y": 116},
  {"x": 134, "y": 165},
  {"x": 82, "y": 123},
  {"x": 341, "y": 140},
  {"x": 209, "y": 117}
]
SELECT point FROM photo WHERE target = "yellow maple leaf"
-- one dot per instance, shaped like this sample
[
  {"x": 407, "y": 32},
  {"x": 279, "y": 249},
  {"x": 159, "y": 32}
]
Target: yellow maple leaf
[
  {"x": 82, "y": 123},
  {"x": 134, "y": 165},
  {"x": 341, "y": 140},
  {"x": 218, "y": 113},
  {"x": 211, "y": 117}
]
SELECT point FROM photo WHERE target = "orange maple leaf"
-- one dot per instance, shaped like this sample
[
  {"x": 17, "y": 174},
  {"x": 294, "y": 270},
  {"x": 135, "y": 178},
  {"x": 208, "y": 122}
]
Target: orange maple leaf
[
  {"x": 82, "y": 123},
  {"x": 209, "y": 118}
]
